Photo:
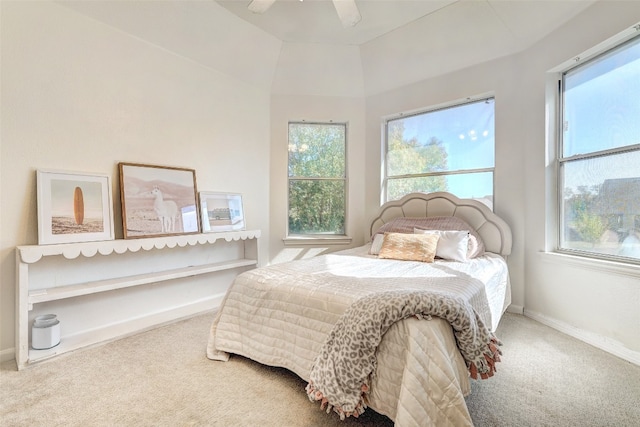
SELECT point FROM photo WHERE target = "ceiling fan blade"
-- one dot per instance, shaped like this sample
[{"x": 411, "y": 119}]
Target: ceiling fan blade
[
  {"x": 348, "y": 12},
  {"x": 260, "y": 6}
]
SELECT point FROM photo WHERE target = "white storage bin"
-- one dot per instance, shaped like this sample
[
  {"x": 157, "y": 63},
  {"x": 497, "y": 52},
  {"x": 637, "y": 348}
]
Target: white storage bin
[{"x": 45, "y": 332}]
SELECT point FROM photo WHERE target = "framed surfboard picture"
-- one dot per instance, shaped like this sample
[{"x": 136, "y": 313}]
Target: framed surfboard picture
[{"x": 73, "y": 207}]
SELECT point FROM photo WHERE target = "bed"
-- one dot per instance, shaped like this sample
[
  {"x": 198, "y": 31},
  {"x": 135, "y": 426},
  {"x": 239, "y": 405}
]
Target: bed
[{"x": 366, "y": 327}]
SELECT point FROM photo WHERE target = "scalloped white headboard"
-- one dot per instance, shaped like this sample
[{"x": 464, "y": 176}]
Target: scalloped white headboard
[{"x": 495, "y": 232}]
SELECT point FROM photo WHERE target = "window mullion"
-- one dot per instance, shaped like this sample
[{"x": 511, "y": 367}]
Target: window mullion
[
  {"x": 317, "y": 178},
  {"x": 602, "y": 153},
  {"x": 458, "y": 172}
]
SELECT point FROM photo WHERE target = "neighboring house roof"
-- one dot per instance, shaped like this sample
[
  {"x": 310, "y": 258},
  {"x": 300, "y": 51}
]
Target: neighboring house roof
[{"x": 614, "y": 197}]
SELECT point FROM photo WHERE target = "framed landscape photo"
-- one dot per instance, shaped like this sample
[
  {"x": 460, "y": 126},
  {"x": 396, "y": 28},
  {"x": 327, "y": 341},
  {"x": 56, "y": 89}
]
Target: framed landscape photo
[
  {"x": 73, "y": 207},
  {"x": 221, "y": 212},
  {"x": 158, "y": 200}
]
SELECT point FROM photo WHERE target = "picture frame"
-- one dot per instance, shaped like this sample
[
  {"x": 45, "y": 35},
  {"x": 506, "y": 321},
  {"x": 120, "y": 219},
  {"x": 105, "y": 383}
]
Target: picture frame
[
  {"x": 73, "y": 207},
  {"x": 158, "y": 200},
  {"x": 221, "y": 212}
]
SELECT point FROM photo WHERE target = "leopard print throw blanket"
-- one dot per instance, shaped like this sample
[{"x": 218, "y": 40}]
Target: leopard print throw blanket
[{"x": 340, "y": 374}]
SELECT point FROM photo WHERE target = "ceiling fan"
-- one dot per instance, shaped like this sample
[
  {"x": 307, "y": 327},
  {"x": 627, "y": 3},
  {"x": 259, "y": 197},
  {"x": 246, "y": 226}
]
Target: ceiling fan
[{"x": 347, "y": 10}]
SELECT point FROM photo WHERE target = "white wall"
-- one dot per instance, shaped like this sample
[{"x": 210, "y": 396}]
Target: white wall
[
  {"x": 80, "y": 95},
  {"x": 599, "y": 306}
]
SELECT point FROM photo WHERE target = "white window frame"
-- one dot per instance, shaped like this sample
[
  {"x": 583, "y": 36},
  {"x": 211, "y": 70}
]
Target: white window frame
[
  {"x": 432, "y": 109},
  {"x": 554, "y": 183},
  {"x": 292, "y": 239}
]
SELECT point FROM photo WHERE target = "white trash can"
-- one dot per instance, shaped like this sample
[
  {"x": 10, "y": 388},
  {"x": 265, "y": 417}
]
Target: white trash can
[{"x": 45, "y": 332}]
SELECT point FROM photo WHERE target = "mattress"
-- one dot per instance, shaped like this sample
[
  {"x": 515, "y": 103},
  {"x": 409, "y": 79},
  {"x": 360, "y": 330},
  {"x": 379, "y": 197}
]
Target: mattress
[{"x": 490, "y": 269}]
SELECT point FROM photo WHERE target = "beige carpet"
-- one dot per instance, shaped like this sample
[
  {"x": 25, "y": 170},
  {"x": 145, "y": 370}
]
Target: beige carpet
[{"x": 162, "y": 378}]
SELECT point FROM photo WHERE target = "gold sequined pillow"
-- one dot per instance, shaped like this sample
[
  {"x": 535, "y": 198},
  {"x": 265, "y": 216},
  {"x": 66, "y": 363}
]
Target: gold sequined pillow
[{"x": 409, "y": 247}]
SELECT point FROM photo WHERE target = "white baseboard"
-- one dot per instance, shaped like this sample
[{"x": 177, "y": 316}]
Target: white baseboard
[
  {"x": 7, "y": 354},
  {"x": 122, "y": 329},
  {"x": 606, "y": 344},
  {"x": 516, "y": 309}
]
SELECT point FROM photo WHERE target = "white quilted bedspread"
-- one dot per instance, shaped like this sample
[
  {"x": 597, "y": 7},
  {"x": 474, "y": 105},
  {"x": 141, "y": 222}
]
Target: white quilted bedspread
[{"x": 280, "y": 315}]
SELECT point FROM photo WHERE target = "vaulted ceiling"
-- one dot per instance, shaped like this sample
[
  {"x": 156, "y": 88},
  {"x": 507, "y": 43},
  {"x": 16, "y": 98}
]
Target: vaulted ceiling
[
  {"x": 301, "y": 47},
  {"x": 316, "y": 21}
]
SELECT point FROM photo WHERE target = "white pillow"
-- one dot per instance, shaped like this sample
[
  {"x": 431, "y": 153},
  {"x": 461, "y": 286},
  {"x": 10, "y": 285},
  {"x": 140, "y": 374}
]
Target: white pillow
[
  {"x": 376, "y": 245},
  {"x": 452, "y": 245}
]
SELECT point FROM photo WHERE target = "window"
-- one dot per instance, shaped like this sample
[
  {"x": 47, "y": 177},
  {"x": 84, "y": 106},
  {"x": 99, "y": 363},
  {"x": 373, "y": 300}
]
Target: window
[
  {"x": 447, "y": 149},
  {"x": 317, "y": 178},
  {"x": 599, "y": 156}
]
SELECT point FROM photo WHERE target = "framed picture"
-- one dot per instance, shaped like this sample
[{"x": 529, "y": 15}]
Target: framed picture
[
  {"x": 221, "y": 212},
  {"x": 158, "y": 200},
  {"x": 73, "y": 207}
]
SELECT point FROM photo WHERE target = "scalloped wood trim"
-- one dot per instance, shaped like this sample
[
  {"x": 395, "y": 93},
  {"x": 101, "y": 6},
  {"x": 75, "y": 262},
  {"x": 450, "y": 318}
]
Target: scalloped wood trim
[{"x": 33, "y": 253}]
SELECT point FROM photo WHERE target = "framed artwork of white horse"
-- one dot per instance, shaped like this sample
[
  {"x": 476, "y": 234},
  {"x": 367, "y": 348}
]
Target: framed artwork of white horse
[{"x": 158, "y": 200}]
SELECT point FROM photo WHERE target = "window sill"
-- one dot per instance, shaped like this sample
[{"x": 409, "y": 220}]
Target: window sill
[
  {"x": 605, "y": 266},
  {"x": 315, "y": 240}
]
